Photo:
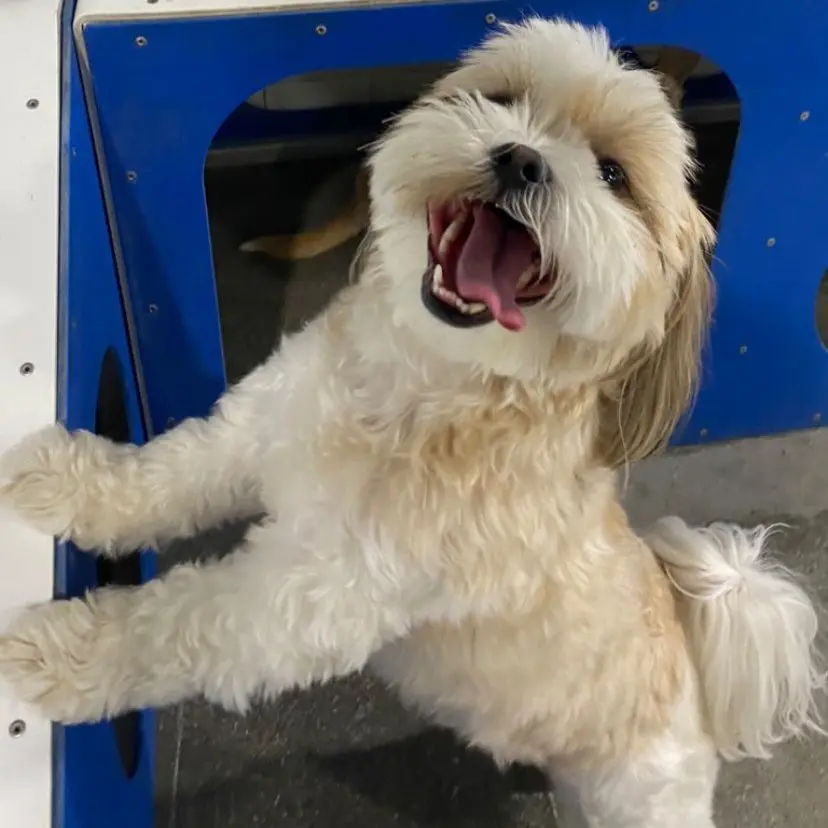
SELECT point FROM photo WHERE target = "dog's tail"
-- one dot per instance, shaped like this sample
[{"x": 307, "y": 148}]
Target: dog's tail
[
  {"x": 308, "y": 244},
  {"x": 752, "y": 631}
]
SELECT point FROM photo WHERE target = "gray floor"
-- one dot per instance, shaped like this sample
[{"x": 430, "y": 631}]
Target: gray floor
[{"x": 347, "y": 754}]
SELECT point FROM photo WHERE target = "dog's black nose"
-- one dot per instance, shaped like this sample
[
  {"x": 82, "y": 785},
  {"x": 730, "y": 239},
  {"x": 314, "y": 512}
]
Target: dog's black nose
[{"x": 517, "y": 167}]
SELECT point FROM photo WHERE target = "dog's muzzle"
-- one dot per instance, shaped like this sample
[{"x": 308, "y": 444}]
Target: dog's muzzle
[
  {"x": 517, "y": 168},
  {"x": 484, "y": 265}
]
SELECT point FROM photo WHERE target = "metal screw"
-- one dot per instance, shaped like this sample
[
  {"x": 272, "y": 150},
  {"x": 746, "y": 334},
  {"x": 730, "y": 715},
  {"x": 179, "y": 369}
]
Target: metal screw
[
  {"x": 653, "y": 5},
  {"x": 32, "y": 103},
  {"x": 17, "y": 728},
  {"x": 703, "y": 433},
  {"x": 140, "y": 41},
  {"x": 131, "y": 176},
  {"x": 743, "y": 349},
  {"x": 27, "y": 368},
  {"x": 817, "y": 417},
  {"x": 321, "y": 29},
  {"x": 491, "y": 18},
  {"x": 771, "y": 242},
  {"x": 153, "y": 308},
  {"x": 803, "y": 116}
]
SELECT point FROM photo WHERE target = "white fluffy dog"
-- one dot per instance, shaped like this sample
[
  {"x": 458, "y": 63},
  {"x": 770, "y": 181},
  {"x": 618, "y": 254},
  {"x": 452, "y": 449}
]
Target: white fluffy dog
[{"x": 435, "y": 457}]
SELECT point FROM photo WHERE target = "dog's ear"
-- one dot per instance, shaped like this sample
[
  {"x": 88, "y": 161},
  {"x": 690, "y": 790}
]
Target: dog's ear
[
  {"x": 674, "y": 66},
  {"x": 645, "y": 400}
]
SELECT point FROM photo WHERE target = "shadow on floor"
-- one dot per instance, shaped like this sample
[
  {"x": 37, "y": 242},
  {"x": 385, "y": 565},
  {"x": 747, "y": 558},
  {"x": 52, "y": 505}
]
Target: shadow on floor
[{"x": 425, "y": 779}]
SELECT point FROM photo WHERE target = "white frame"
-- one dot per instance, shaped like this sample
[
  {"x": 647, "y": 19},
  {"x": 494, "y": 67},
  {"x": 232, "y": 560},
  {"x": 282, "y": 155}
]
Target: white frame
[{"x": 29, "y": 193}]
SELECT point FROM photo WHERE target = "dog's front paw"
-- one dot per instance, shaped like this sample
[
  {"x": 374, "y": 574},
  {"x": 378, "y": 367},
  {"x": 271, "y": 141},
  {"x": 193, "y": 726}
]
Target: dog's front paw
[
  {"x": 63, "y": 659},
  {"x": 38, "y": 482},
  {"x": 46, "y": 480}
]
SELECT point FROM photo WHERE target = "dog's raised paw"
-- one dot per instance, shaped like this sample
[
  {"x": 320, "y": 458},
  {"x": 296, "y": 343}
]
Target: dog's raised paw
[
  {"x": 38, "y": 481},
  {"x": 50, "y": 658}
]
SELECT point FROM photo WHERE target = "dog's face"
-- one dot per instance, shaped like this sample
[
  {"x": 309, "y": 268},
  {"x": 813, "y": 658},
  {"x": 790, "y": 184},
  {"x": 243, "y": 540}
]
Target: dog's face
[{"x": 533, "y": 215}]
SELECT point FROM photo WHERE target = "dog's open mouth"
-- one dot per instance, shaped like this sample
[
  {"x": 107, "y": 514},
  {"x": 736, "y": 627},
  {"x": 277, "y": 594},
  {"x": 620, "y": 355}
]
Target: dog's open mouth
[{"x": 483, "y": 266}]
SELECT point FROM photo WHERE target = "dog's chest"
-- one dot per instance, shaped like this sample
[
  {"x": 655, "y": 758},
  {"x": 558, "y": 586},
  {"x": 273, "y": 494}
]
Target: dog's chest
[{"x": 482, "y": 489}]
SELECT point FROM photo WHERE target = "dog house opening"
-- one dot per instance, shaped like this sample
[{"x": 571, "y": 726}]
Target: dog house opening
[{"x": 286, "y": 204}]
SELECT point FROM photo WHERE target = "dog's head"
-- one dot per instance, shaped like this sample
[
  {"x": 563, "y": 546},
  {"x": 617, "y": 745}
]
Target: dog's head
[{"x": 533, "y": 218}]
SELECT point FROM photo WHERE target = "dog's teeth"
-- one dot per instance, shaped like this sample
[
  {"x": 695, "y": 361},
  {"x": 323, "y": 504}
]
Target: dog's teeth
[
  {"x": 452, "y": 232},
  {"x": 444, "y": 294},
  {"x": 527, "y": 276},
  {"x": 437, "y": 277},
  {"x": 451, "y": 298}
]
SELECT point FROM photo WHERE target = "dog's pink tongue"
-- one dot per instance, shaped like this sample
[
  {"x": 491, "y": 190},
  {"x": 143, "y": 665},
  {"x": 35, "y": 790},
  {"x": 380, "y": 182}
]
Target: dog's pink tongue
[{"x": 492, "y": 260}]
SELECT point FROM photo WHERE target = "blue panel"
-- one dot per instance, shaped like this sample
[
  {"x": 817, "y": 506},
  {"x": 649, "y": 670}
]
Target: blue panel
[
  {"x": 90, "y": 786},
  {"x": 160, "y": 104}
]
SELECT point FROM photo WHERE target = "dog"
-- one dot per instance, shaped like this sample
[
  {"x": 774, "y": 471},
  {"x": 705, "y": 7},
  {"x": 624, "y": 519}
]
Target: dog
[{"x": 436, "y": 457}]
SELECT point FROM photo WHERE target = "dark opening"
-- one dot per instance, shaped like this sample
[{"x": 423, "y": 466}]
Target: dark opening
[
  {"x": 821, "y": 309},
  {"x": 111, "y": 420}
]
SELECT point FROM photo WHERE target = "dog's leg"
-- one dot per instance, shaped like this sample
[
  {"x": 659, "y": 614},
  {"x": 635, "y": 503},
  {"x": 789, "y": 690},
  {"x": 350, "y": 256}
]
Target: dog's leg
[
  {"x": 116, "y": 498},
  {"x": 671, "y": 785},
  {"x": 279, "y": 613}
]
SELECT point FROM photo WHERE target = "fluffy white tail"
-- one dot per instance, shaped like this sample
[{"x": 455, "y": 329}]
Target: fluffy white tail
[{"x": 752, "y": 631}]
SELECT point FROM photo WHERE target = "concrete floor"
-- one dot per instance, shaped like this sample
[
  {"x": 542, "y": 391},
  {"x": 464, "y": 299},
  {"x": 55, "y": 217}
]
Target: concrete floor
[{"x": 347, "y": 754}]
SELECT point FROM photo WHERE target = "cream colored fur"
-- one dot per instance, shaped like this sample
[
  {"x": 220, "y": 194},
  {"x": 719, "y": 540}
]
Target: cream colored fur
[{"x": 441, "y": 504}]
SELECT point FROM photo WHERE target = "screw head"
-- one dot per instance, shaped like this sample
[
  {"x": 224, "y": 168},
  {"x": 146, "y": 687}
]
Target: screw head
[
  {"x": 653, "y": 5},
  {"x": 743, "y": 349},
  {"x": 771, "y": 242},
  {"x": 153, "y": 308},
  {"x": 803, "y": 116},
  {"x": 131, "y": 176},
  {"x": 703, "y": 433},
  {"x": 140, "y": 41},
  {"x": 27, "y": 368},
  {"x": 817, "y": 417},
  {"x": 491, "y": 18},
  {"x": 321, "y": 29},
  {"x": 17, "y": 728},
  {"x": 32, "y": 103}
]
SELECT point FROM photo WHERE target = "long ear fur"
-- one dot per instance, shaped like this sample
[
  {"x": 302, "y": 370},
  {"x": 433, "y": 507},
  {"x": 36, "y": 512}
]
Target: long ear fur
[{"x": 644, "y": 401}]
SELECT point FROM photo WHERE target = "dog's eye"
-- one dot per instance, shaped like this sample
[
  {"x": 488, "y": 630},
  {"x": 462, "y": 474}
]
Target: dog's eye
[{"x": 612, "y": 174}]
